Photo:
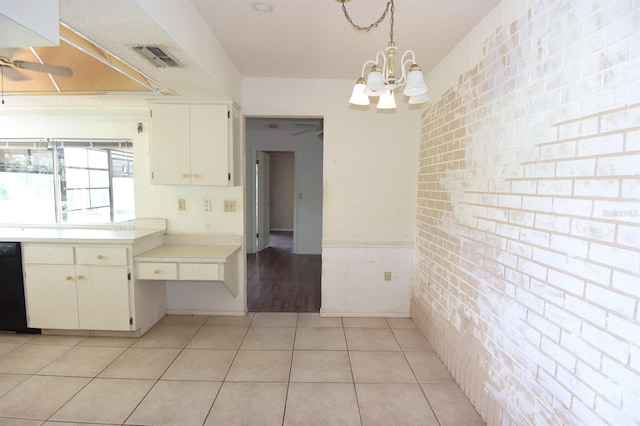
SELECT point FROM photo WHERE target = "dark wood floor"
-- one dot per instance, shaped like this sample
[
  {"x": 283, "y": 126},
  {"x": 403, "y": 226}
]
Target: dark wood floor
[{"x": 280, "y": 281}]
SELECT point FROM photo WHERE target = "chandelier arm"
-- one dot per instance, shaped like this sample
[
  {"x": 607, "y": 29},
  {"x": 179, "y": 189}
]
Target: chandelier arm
[
  {"x": 409, "y": 61},
  {"x": 385, "y": 71},
  {"x": 364, "y": 67},
  {"x": 373, "y": 25},
  {"x": 408, "y": 52}
]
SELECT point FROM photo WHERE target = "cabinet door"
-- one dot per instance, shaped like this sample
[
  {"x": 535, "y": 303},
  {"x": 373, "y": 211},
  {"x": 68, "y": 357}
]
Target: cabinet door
[
  {"x": 209, "y": 145},
  {"x": 103, "y": 298},
  {"x": 51, "y": 297},
  {"x": 169, "y": 147}
]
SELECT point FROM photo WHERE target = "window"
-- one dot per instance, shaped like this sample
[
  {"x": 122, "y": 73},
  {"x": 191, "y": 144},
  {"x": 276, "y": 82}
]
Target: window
[{"x": 66, "y": 181}]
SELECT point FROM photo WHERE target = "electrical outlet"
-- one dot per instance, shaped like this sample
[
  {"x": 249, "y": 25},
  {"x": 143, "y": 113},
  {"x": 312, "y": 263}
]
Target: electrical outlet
[
  {"x": 229, "y": 206},
  {"x": 206, "y": 205},
  {"x": 387, "y": 276},
  {"x": 181, "y": 204}
]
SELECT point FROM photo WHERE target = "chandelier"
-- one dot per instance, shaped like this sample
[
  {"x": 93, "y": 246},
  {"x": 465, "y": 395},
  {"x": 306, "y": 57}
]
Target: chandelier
[{"x": 381, "y": 80}]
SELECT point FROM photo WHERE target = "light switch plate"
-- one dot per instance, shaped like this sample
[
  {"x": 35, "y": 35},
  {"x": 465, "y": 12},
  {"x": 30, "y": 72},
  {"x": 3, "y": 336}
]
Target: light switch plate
[{"x": 229, "y": 206}]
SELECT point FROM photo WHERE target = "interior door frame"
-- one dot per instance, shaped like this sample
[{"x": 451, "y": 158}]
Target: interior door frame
[
  {"x": 262, "y": 189},
  {"x": 251, "y": 242}
]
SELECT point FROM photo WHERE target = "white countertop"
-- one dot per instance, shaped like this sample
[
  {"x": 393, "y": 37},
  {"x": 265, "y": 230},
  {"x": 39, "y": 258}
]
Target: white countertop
[
  {"x": 76, "y": 235},
  {"x": 188, "y": 253}
]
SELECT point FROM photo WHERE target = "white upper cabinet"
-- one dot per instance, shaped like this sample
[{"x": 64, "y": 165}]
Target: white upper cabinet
[{"x": 191, "y": 145}]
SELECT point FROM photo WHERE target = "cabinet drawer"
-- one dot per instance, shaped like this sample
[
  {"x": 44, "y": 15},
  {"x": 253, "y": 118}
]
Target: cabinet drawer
[
  {"x": 48, "y": 254},
  {"x": 201, "y": 271},
  {"x": 157, "y": 271},
  {"x": 101, "y": 256}
]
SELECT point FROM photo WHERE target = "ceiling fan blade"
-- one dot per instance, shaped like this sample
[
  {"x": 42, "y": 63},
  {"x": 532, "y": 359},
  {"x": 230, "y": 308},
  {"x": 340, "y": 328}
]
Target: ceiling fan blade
[
  {"x": 50, "y": 69},
  {"x": 13, "y": 74},
  {"x": 303, "y": 131}
]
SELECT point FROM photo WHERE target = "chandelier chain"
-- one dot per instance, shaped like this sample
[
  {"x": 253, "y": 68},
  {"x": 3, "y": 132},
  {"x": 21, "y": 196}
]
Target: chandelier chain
[
  {"x": 393, "y": 9},
  {"x": 389, "y": 6}
]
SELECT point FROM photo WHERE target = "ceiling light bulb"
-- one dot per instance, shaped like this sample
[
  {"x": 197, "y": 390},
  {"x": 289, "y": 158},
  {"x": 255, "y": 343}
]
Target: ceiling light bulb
[{"x": 387, "y": 100}]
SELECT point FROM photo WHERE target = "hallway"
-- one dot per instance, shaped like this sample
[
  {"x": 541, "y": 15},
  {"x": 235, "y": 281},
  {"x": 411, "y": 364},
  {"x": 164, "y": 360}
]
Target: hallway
[{"x": 280, "y": 281}]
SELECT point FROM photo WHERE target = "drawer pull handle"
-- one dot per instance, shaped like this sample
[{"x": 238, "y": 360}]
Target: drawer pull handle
[
  {"x": 195, "y": 175},
  {"x": 99, "y": 257},
  {"x": 156, "y": 271},
  {"x": 80, "y": 276},
  {"x": 185, "y": 175},
  {"x": 68, "y": 277}
]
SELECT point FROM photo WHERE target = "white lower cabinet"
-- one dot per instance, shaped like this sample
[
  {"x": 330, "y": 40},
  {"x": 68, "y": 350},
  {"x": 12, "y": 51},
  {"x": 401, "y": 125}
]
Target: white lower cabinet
[
  {"x": 103, "y": 298},
  {"x": 52, "y": 296},
  {"x": 86, "y": 288}
]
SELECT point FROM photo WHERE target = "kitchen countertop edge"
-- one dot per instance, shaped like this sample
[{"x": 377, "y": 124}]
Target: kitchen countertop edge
[{"x": 77, "y": 235}]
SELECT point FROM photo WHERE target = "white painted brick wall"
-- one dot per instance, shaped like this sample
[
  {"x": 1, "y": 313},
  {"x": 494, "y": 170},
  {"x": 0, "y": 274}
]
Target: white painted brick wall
[{"x": 527, "y": 269}]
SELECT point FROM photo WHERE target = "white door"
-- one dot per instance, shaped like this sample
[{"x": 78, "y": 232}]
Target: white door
[
  {"x": 103, "y": 298},
  {"x": 52, "y": 300},
  {"x": 209, "y": 145},
  {"x": 169, "y": 146},
  {"x": 263, "y": 202}
]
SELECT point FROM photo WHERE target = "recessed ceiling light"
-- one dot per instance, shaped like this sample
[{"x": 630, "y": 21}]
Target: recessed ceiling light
[{"x": 262, "y": 7}]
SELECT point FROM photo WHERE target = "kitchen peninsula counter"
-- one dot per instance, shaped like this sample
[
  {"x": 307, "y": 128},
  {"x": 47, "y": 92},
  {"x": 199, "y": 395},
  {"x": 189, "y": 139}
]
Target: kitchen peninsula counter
[{"x": 77, "y": 235}]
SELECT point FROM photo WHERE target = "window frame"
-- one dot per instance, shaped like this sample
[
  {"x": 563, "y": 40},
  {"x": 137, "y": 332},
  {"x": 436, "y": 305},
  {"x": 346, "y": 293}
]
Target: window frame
[{"x": 122, "y": 148}]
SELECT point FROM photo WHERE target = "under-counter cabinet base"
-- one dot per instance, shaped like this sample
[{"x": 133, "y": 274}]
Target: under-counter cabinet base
[{"x": 77, "y": 288}]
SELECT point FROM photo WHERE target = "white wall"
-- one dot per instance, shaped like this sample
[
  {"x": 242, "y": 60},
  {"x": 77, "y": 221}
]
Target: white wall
[
  {"x": 528, "y": 256},
  {"x": 369, "y": 187},
  {"x": 307, "y": 150}
]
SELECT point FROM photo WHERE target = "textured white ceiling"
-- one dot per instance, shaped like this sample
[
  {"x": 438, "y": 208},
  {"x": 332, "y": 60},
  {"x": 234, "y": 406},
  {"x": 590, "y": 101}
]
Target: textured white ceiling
[
  {"x": 299, "y": 39},
  {"x": 312, "y": 38}
]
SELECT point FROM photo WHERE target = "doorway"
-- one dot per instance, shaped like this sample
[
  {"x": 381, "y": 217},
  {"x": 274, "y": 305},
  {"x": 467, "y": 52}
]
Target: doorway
[
  {"x": 274, "y": 189},
  {"x": 284, "y": 214}
]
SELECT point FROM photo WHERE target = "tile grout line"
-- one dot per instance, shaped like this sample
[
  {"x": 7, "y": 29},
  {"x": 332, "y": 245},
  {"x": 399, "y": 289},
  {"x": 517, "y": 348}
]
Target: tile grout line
[
  {"x": 224, "y": 379},
  {"x": 156, "y": 381},
  {"x": 353, "y": 379},
  {"x": 51, "y": 362},
  {"x": 72, "y": 396},
  {"x": 414, "y": 374},
  {"x": 293, "y": 347}
]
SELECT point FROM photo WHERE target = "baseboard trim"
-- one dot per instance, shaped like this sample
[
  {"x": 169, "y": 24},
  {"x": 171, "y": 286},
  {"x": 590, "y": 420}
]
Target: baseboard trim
[
  {"x": 363, "y": 315},
  {"x": 214, "y": 313},
  {"x": 366, "y": 244}
]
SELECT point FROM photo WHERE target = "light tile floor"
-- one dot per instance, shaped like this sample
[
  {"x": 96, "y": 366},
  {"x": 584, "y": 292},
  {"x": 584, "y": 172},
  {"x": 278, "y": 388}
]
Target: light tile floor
[{"x": 262, "y": 369}]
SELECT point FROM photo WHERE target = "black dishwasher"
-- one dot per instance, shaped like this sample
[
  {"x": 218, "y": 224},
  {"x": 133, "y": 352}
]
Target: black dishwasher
[{"x": 13, "y": 314}]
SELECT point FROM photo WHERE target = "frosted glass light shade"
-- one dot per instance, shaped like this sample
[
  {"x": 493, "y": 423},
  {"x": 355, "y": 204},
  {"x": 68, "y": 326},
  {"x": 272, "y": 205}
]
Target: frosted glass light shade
[
  {"x": 419, "y": 99},
  {"x": 358, "y": 96},
  {"x": 415, "y": 82},
  {"x": 375, "y": 82},
  {"x": 387, "y": 100}
]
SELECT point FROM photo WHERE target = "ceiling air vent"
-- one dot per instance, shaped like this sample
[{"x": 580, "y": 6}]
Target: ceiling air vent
[{"x": 157, "y": 56}]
